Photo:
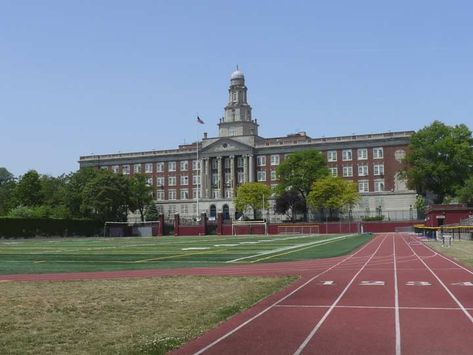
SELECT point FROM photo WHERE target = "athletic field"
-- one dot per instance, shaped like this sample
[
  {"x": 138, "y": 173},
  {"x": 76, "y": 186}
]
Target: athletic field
[{"x": 107, "y": 254}]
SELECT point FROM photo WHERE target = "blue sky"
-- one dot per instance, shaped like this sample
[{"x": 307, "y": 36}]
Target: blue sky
[{"x": 81, "y": 77}]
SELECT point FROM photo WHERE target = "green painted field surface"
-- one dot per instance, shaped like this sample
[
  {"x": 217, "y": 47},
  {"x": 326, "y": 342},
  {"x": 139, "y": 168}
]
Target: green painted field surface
[{"x": 105, "y": 254}]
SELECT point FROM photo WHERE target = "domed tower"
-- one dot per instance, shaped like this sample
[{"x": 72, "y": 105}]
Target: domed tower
[{"x": 237, "y": 120}]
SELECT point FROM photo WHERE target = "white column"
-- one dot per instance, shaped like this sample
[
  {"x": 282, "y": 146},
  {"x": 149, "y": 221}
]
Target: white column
[
  {"x": 252, "y": 169},
  {"x": 208, "y": 181},
  {"x": 219, "y": 177},
  {"x": 245, "y": 169},
  {"x": 232, "y": 175}
]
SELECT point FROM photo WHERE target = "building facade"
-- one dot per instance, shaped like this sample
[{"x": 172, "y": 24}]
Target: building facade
[{"x": 203, "y": 176}]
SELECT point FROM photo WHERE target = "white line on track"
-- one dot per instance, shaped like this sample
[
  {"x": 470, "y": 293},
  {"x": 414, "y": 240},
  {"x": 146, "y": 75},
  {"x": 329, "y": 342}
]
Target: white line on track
[
  {"x": 334, "y": 304},
  {"x": 234, "y": 330},
  {"x": 468, "y": 315},
  {"x": 371, "y": 307},
  {"x": 273, "y": 251},
  {"x": 396, "y": 303}
]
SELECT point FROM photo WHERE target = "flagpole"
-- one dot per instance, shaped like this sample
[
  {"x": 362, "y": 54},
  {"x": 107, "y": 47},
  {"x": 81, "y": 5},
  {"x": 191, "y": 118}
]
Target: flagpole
[{"x": 198, "y": 178}]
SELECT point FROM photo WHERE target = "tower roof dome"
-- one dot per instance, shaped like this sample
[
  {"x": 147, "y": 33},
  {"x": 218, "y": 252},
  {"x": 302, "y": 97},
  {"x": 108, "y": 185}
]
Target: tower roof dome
[{"x": 237, "y": 74}]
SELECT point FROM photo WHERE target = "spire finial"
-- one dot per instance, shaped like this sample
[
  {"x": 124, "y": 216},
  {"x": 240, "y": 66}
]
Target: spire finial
[{"x": 237, "y": 67}]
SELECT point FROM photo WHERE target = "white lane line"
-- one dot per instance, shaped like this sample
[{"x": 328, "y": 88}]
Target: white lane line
[
  {"x": 468, "y": 315},
  {"x": 396, "y": 304},
  {"x": 234, "y": 330},
  {"x": 334, "y": 304},
  {"x": 273, "y": 251}
]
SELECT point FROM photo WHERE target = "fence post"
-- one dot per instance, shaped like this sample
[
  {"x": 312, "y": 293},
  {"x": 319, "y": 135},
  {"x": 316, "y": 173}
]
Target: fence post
[
  {"x": 176, "y": 224},
  {"x": 219, "y": 223},
  {"x": 161, "y": 225},
  {"x": 203, "y": 223}
]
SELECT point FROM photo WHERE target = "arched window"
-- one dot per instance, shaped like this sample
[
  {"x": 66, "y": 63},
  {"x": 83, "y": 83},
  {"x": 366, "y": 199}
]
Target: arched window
[
  {"x": 213, "y": 211},
  {"x": 226, "y": 212}
]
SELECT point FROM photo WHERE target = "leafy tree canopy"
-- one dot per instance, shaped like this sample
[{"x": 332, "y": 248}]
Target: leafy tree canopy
[
  {"x": 465, "y": 193},
  {"x": 5, "y": 176},
  {"x": 141, "y": 194},
  {"x": 152, "y": 213},
  {"x": 333, "y": 192},
  {"x": 439, "y": 160},
  {"x": 251, "y": 196},
  {"x": 28, "y": 191},
  {"x": 289, "y": 203}
]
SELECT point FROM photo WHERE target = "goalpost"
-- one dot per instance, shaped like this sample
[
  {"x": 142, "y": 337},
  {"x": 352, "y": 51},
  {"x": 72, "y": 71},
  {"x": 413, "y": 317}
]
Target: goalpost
[
  {"x": 294, "y": 229},
  {"x": 249, "y": 227},
  {"x": 128, "y": 229}
]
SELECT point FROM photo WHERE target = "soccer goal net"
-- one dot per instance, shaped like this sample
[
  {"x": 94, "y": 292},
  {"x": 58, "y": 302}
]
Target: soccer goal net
[
  {"x": 249, "y": 227},
  {"x": 295, "y": 229},
  {"x": 128, "y": 229}
]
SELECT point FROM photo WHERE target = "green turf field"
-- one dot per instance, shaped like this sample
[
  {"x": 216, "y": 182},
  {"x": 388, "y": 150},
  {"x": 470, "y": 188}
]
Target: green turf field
[{"x": 104, "y": 254}]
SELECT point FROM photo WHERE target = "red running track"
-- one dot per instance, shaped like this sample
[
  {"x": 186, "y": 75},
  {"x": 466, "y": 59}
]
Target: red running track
[{"x": 392, "y": 296}]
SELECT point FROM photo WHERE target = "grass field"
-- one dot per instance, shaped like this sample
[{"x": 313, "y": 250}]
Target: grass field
[
  {"x": 105, "y": 254},
  {"x": 146, "y": 316},
  {"x": 461, "y": 250}
]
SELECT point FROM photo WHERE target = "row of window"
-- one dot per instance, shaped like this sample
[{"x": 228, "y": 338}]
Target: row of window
[
  {"x": 363, "y": 185},
  {"x": 148, "y": 167},
  {"x": 363, "y": 170},
  {"x": 362, "y": 154}
]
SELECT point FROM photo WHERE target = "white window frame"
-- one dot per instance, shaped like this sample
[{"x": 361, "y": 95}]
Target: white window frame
[
  {"x": 363, "y": 186},
  {"x": 333, "y": 171},
  {"x": 347, "y": 155},
  {"x": 378, "y": 169},
  {"x": 160, "y": 167},
  {"x": 172, "y": 166},
  {"x": 160, "y": 180},
  {"x": 261, "y": 160},
  {"x": 332, "y": 155},
  {"x": 184, "y": 194},
  {"x": 137, "y": 168},
  {"x": 261, "y": 175},
  {"x": 115, "y": 169},
  {"x": 363, "y": 170},
  {"x": 126, "y": 169},
  {"x": 195, "y": 180},
  {"x": 362, "y": 154},
  {"x": 348, "y": 171},
  {"x": 274, "y": 176},
  {"x": 195, "y": 165},
  {"x": 184, "y": 180},
  {"x": 183, "y": 165},
  {"x": 379, "y": 185},
  {"x": 275, "y": 159},
  {"x": 148, "y": 168},
  {"x": 378, "y": 153},
  {"x": 149, "y": 181},
  {"x": 172, "y": 195},
  {"x": 171, "y": 181},
  {"x": 160, "y": 195}
]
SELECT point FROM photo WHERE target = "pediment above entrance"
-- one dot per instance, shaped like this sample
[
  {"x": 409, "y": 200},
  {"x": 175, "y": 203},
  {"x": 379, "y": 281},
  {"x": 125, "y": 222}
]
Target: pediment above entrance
[{"x": 224, "y": 147}]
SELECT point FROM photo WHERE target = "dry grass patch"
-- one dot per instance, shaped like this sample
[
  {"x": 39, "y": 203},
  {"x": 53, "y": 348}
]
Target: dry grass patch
[
  {"x": 132, "y": 316},
  {"x": 461, "y": 250}
]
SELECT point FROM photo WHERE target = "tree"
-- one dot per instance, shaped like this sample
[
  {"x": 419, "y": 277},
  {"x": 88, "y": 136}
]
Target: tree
[
  {"x": 252, "y": 195},
  {"x": 140, "y": 194},
  {"x": 289, "y": 203},
  {"x": 465, "y": 193},
  {"x": 28, "y": 190},
  {"x": 75, "y": 184},
  {"x": 299, "y": 171},
  {"x": 333, "y": 193},
  {"x": 152, "y": 212},
  {"x": 107, "y": 196},
  {"x": 439, "y": 159},
  {"x": 7, "y": 187}
]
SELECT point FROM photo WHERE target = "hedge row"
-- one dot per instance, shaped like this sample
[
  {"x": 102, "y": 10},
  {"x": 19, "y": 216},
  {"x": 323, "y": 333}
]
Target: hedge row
[{"x": 48, "y": 227}]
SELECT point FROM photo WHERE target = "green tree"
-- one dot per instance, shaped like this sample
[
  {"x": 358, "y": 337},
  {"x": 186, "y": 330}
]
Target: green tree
[
  {"x": 140, "y": 194},
  {"x": 289, "y": 203},
  {"x": 439, "y": 159},
  {"x": 252, "y": 195},
  {"x": 299, "y": 171},
  {"x": 333, "y": 193},
  {"x": 7, "y": 188},
  {"x": 53, "y": 190},
  {"x": 28, "y": 191},
  {"x": 152, "y": 212},
  {"x": 75, "y": 184},
  {"x": 107, "y": 196},
  {"x": 465, "y": 193}
]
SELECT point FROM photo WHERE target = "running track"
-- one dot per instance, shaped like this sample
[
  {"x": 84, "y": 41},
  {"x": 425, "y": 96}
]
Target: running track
[{"x": 392, "y": 296}]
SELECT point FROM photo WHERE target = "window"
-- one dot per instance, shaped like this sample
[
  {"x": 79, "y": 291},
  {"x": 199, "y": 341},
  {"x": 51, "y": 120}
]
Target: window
[
  {"x": 378, "y": 153},
  {"x": 240, "y": 162},
  {"x": 171, "y": 195},
  {"x": 232, "y": 131},
  {"x": 184, "y": 194},
  {"x": 184, "y": 165},
  {"x": 171, "y": 181},
  {"x": 332, "y": 155},
  {"x": 228, "y": 179},
  {"x": 195, "y": 165},
  {"x": 172, "y": 166},
  {"x": 275, "y": 159},
  {"x": 362, "y": 154},
  {"x": 215, "y": 194},
  {"x": 184, "y": 180},
  {"x": 363, "y": 186},
  {"x": 346, "y": 155},
  {"x": 333, "y": 171},
  {"x": 261, "y": 175},
  {"x": 195, "y": 180},
  {"x": 148, "y": 167},
  {"x": 115, "y": 169},
  {"x": 172, "y": 208},
  {"x": 348, "y": 171},
  {"x": 240, "y": 177},
  {"x": 137, "y": 168},
  {"x": 273, "y": 175},
  {"x": 362, "y": 170},
  {"x": 261, "y": 160},
  {"x": 228, "y": 194},
  {"x": 195, "y": 192},
  {"x": 379, "y": 185},
  {"x": 149, "y": 181},
  {"x": 160, "y": 181},
  {"x": 214, "y": 179},
  {"x": 126, "y": 170},
  {"x": 184, "y": 209},
  {"x": 160, "y": 167},
  {"x": 160, "y": 195},
  {"x": 378, "y": 169}
]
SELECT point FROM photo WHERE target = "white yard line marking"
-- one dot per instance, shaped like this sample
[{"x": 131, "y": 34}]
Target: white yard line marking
[
  {"x": 273, "y": 251},
  {"x": 234, "y": 330},
  {"x": 334, "y": 304},
  {"x": 196, "y": 248},
  {"x": 396, "y": 304},
  {"x": 468, "y": 315}
]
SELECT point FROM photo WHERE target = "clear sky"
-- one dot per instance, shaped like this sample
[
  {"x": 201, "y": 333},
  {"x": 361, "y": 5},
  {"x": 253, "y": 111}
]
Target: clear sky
[{"x": 96, "y": 76}]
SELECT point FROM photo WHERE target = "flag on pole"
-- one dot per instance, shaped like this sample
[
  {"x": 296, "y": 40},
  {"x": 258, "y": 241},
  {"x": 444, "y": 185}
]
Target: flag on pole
[{"x": 199, "y": 120}]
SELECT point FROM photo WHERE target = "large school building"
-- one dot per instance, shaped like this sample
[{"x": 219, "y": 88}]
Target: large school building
[{"x": 203, "y": 176}]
